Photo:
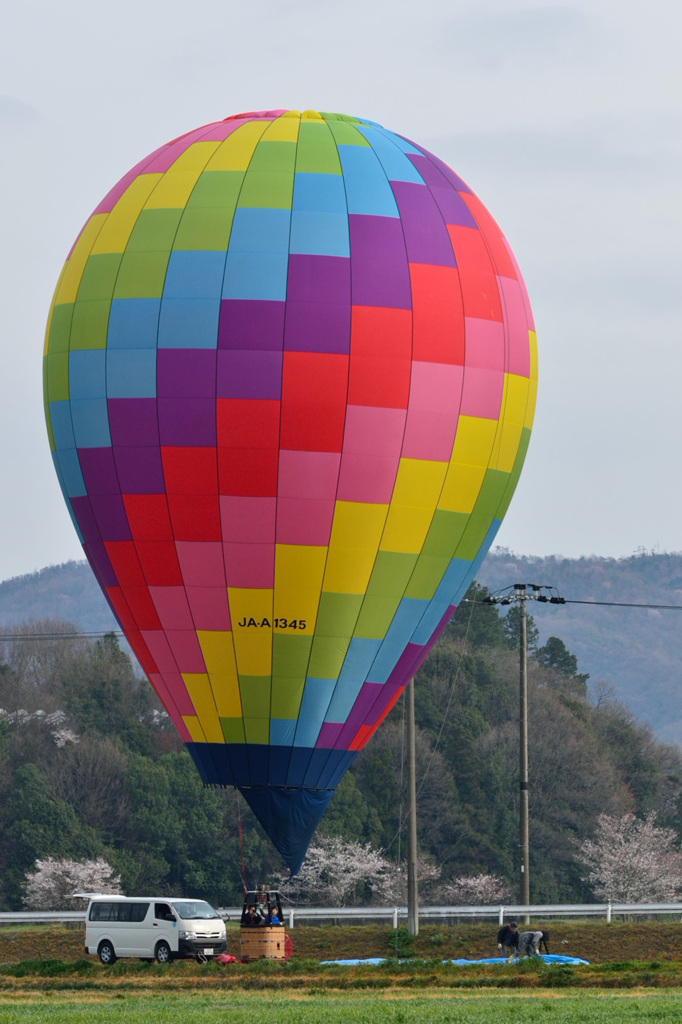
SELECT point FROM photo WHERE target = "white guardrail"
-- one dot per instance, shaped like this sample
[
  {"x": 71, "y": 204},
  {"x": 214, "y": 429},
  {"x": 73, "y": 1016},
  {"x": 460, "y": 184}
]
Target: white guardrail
[{"x": 394, "y": 914}]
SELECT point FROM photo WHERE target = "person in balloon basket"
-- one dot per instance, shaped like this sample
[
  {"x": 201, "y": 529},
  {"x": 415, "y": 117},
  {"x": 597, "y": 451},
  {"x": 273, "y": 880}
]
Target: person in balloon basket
[{"x": 508, "y": 939}]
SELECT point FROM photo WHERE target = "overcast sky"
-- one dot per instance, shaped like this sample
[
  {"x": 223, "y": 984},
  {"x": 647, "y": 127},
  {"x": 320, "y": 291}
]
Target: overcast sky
[{"x": 564, "y": 118}]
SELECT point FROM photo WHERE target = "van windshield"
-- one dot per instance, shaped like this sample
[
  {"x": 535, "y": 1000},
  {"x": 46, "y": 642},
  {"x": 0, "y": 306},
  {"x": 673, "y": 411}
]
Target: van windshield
[{"x": 191, "y": 910}]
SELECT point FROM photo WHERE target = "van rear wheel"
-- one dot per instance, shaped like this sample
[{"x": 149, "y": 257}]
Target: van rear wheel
[
  {"x": 163, "y": 953},
  {"x": 106, "y": 953}
]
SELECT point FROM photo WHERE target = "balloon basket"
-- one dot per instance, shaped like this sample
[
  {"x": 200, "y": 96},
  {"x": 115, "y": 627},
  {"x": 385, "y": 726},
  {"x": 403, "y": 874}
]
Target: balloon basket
[
  {"x": 262, "y": 933},
  {"x": 268, "y": 942}
]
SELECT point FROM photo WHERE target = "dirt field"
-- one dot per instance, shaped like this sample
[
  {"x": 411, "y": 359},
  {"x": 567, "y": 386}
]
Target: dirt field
[{"x": 595, "y": 941}]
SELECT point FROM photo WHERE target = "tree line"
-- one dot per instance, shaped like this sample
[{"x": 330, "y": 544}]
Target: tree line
[{"x": 92, "y": 769}]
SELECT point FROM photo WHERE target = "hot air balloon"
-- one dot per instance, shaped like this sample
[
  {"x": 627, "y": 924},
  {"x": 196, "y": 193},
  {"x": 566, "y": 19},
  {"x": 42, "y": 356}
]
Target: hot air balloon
[{"x": 290, "y": 380}]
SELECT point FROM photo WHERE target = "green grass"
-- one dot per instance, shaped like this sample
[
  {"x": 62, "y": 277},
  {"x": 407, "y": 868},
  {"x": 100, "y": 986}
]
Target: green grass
[
  {"x": 86, "y": 978},
  {"x": 444, "y": 1008}
]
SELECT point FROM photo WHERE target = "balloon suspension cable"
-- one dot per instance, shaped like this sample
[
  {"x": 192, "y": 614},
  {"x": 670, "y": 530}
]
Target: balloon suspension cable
[
  {"x": 398, "y": 858},
  {"x": 402, "y": 783},
  {"x": 241, "y": 841},
  {"x": 446, "y": 713}
]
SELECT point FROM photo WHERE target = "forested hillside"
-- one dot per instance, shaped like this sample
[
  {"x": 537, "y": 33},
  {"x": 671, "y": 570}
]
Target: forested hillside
[
  {"x": 90, "y": 766},
  {"x": 636, "y": 650}
]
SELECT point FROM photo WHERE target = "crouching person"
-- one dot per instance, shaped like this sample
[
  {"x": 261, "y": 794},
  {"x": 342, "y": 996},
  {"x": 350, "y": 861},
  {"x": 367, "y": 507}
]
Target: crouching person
[{"x": 530, "y": 943}]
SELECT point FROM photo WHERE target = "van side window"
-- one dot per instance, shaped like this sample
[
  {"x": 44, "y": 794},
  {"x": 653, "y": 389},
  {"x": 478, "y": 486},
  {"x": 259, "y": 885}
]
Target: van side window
[
  {"x": 138, "y": 911},
  {"x": 162, "y": 912},
  {"x": 101, "y": 912},
  {"x": 118, "y": 911}
]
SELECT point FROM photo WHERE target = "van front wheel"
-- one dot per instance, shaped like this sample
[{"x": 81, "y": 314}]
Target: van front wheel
[
  {"x": 106, "y": 953},
  {"x": 163, "y": 953}
]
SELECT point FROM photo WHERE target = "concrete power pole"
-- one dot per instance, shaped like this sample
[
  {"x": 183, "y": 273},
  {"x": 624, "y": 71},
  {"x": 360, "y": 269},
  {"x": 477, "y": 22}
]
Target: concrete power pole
[
  {"x": 523, "y": 592},
  {"x": 524, "y": 843},
  {"x": 412, "y": 887}
]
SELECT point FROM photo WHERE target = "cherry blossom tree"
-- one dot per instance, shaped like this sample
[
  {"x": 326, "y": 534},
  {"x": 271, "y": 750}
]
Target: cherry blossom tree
[
  {"x": 633, "y": 860},
  {"x": 51, "y": 885},
  {"x": 392, "y": 886},
  {"x": 336, "y": 872},
  {"x": 476, "y": 891}
]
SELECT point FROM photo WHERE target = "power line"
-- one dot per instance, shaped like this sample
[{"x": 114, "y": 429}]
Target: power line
[
  {"x": 100, "y": 634},
  {"x": 607, "y": 604},
  {"x": 94, "y": 635},
  {"x": 627, "y": 604}
]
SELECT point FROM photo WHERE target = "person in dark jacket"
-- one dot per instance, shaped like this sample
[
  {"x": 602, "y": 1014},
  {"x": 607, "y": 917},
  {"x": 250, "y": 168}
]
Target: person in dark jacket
[{"x": 508, "y": 939}]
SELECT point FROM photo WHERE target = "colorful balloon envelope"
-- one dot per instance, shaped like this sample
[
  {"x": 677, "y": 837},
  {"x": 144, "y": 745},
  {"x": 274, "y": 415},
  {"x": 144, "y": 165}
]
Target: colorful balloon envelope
[{"x": 290, "y": 380}]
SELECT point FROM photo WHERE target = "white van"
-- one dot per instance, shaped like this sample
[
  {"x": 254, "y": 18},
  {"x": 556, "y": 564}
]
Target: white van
[{"x": 153, "y": 927}]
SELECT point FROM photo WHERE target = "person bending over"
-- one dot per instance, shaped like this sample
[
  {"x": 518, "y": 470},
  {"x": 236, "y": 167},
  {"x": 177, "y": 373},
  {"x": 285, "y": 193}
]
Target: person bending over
[{"x": 531, "y": 942}]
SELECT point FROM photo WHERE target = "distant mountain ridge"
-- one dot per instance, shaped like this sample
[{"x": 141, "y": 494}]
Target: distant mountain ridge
[
  {"x": 638, "y": 651},
  {"x": 68, "y": 591}
]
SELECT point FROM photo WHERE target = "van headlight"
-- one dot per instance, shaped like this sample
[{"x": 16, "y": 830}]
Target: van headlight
[{"x": 187, "y": 935}]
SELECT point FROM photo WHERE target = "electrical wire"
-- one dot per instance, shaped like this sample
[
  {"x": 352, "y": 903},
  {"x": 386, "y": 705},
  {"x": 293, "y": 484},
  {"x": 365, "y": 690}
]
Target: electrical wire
[
  {"x": 606, "y": 604},
  {"x": 627, "y": 604},
  {"x": 84, "y": 635},
  {"x": 100, "y": 634}
]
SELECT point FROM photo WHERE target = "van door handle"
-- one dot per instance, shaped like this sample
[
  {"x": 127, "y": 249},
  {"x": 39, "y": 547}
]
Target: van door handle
[{"x": 155, "y": 925}]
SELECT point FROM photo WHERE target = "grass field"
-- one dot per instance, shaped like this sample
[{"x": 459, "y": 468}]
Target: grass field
[{"x": 356, "y": 1008}]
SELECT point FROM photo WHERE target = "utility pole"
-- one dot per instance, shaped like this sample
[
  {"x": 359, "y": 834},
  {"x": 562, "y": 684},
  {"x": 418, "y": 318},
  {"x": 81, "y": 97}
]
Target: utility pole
[
  {"x": 523, "y": 592},
  {"x": 524, "y": 844},
  {"x": 412, "y": 887}
]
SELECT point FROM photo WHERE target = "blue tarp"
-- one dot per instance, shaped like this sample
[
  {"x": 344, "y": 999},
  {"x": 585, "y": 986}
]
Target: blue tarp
[{"x": 549, "y": 958}]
